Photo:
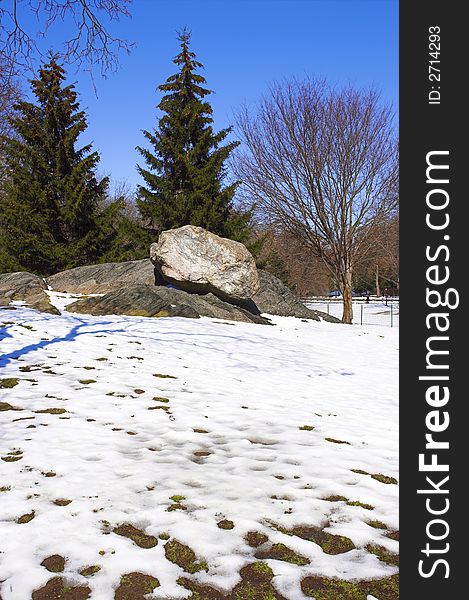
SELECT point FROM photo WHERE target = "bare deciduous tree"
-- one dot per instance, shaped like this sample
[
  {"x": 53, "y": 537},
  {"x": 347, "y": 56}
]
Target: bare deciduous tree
[
  {"x": 322, "y": 163},
  {"x": 90, "y": 42}
]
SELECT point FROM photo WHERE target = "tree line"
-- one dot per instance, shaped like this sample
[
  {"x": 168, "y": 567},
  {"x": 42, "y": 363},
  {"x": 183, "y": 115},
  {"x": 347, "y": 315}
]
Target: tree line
[{"x": 315, "y": 195}]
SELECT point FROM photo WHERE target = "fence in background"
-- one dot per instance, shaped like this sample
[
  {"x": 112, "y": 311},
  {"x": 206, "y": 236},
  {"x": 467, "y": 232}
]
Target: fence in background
[{"x": 377, "y": 312}]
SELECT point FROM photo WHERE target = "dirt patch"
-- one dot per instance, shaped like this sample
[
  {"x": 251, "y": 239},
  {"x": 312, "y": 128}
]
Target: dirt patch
[
  {"x": 184, "y": 557},
  {"x": 51, "y": 411},
  {"x": 134, "y": 586},
  {"x": 323, "y": 588},
  {"x": 62, "y": 502},
  {"x": 57, "y": 589},
  {"x": 306, "y": 428},
  {"x": 86, "y": 381},
  {"x": 162, "y": 376},
  {"x": 54, "y": 563},
  {"x": 334, "y": 441},
  {"x": 138, "y": 536}
]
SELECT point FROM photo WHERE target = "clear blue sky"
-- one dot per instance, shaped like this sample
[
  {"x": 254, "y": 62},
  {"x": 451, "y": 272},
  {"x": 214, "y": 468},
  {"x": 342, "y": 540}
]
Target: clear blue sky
[{"x": 244, "y": 45}]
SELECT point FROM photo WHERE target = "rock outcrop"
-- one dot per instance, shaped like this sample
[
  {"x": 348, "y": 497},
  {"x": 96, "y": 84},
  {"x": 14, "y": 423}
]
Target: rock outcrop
[
  {"x": 156, "y": 301},
  {"x": 197, "y": 261},
  {"x": 27, "y": 288},
  {"x": 275, "y": 298},
  {"x": 99, "y": 279}
]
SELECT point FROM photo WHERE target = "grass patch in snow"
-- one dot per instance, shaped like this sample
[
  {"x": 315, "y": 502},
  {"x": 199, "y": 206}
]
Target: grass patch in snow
[
  {"x": 89, "y": 571},
  {"x": 57, "y": 589},
  {"x": 26, "y": 518},
  {"x": 163, "y": 376},
  {"x": 334, "y": 441},
  {"x": 255, "y": 538},
  {"x": 330, "y": 543},
  {"x": 282, "y": 552},
  {"x": 384, "y": 478},
  {"x": 225, "y": 524},
  {"x": 306, "y": 428},
  {"x": 184, "y": 557},
  {"x": 138, "y": 536},
  {"x": 9, "y": 382},
  {"x": 383, "y": 554},
  {"x": 323, "y": 588},
  {"x": 54, "y": 563},
  {"x": 134, "y": 586}
]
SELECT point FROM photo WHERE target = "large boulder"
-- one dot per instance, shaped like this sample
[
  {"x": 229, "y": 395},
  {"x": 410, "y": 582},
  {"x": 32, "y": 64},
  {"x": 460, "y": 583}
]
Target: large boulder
[
  {"x": 99, "y": 279},
  {"x": 274, "y": 298},
  {"x": 197, "y": 261},
  {"x": 27, "y": 288},
  {"x": 153, "y": 301}
]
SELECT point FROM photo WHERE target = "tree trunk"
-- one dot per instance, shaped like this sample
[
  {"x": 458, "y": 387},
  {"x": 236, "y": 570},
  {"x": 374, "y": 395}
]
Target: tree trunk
[
  {"x": 347, "y": 315},
  {"x": 378, "y": 291}
]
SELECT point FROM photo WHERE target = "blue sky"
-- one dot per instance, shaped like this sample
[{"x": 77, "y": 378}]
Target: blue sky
[{"x": 244, "y": 45}]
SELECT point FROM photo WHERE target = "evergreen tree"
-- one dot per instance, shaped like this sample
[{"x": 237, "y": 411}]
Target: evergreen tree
[
  {"x": 50, "y": 209},
  {"x": 186, "y": 167}
]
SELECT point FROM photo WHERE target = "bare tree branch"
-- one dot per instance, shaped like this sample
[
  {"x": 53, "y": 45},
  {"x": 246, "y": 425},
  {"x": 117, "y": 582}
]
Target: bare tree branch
[
  {"x": 90, "y": 44},
  {"x": 322, "y": 164}
]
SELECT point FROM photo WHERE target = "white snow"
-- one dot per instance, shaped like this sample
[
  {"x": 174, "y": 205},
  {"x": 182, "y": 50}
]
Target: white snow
[{"x": 250, "y": 387}]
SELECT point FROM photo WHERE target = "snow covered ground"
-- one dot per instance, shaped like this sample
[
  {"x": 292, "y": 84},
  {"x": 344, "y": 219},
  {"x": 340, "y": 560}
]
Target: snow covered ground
[{"x": 176, "y": 425}]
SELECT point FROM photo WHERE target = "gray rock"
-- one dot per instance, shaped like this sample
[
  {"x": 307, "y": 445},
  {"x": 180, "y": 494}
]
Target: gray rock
[
  {"x": 27, "y": 288},
  {"x": 274, "y": 298},
  {"x": 99, "y": 279},
  {"x": 195, "y": 260},
  {"x": 153, "y": 301}
]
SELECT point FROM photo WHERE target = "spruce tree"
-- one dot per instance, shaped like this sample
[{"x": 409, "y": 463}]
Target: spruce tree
[
  {"x": 50, "y": 209},
  {"x": 184, "y": 179}
]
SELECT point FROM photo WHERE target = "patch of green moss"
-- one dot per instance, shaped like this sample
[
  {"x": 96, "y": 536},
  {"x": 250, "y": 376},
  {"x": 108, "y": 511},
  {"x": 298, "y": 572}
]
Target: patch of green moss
[
  {"x": 163, "y": 376},
  {"x": 384, "y": 478},
  {"x": 51, "y": 411},
  {"x": 164, "y": 536},
  {"x": 359, "y": 471},
  {"x": 306, "y": 428},
  {"x": 184, "y": 557},
  {"x": 334, "y": 441},
  {"x": 138, "y": 536},
  {"x": 9, "y": 382},
  {"x": 393, "y": 535}
]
